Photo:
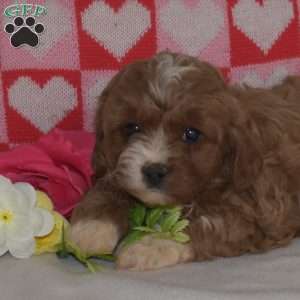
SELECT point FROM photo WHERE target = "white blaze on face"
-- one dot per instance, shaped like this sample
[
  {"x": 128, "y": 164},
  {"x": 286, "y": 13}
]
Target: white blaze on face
[
  {"x": 168, "y": 70},
  {"x": 145, "y": 149}
]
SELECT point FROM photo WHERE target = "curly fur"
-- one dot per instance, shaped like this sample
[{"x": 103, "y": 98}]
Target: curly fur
[{"x": 239, "y": 184}]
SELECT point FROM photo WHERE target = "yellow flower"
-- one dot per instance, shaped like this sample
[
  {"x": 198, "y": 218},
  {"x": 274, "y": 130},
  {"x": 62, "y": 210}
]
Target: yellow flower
[
  {"x": 52, "y": 241},
  {"x": 43, "y": 201}
]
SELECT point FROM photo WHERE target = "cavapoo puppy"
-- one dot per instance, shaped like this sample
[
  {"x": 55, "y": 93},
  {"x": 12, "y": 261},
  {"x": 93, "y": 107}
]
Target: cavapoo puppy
[{"x": 169, "y": 130}]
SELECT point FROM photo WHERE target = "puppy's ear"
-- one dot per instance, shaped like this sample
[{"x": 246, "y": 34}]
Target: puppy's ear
[
  {"x": 246, "y": 157},
  {"x": 99, "y": 161},
  {"x": 98, "y": 157}
]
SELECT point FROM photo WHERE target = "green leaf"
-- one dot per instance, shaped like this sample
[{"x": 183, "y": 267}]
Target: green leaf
[
  {"x": 172, "y": 210},
  {"x": 62, "y": 251},
  {"x": 108, "y": 257},
  {"x": 137, "y": 215},
  {"x": 132, "y": 237},
  {"x": 144, "y": 229},
  {"x": 73, "y": 249},
  {"x": 181, "y": 237},
  {"x": 67, "y": 248},
  {"x": 153, "y": 216},
  {"x": 169, "y": 221},
  {"x": 93, "y": 268},
  {"x": 179, "y": 226}
]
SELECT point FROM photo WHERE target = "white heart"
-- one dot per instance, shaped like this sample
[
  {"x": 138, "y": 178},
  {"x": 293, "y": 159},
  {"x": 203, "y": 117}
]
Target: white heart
[
  {"x": 117, "y": 31},
  {"x": 254, "y": 80},
  {"x": 263, "y": 24},
  {"x": 43, "y": 107},
  {"x": 193, "y": 28}
]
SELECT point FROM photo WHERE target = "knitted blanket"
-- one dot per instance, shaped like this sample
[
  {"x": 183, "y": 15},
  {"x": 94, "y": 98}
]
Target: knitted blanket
[{"x": 74, "y": 47}]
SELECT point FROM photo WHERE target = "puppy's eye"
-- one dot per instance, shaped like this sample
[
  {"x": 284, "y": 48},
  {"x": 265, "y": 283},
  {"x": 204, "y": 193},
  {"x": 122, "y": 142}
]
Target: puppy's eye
[
  {"x": 131, "y": 128},
  {"x": 191, "y": 135}
]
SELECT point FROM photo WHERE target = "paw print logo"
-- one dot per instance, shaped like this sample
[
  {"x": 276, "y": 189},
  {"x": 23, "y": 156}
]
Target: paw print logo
[{"x": 24, "y": 32}]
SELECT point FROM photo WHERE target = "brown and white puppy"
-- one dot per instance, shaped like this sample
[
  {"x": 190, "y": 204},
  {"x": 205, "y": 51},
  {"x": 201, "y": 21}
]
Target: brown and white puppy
[{"x": 170, "y": 131}]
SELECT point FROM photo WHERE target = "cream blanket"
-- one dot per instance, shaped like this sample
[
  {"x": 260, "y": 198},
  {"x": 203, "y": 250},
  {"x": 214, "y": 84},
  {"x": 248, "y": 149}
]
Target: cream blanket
[{"x": 271, "y": 276}]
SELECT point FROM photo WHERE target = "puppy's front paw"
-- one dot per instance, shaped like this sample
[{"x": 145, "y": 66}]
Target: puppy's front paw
[
  {"x": 152, "y": 253},
  {"x": 94, "y": 236}
]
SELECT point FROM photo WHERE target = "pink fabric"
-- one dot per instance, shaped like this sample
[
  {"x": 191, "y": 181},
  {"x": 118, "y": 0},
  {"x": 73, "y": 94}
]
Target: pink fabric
[{"x": 58, "y": 164}]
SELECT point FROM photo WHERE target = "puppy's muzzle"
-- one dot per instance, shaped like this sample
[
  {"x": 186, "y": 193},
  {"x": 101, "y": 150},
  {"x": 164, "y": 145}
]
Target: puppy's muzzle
[{"x": 154, "y": 174}]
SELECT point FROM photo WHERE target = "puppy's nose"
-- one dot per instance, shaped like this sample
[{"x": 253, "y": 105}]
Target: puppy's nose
[{"x": 154, "y": 174}]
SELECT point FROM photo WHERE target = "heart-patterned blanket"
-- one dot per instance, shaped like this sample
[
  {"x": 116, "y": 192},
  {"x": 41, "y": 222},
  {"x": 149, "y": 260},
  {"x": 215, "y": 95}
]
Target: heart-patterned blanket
[{"x": 83, "y": 43}]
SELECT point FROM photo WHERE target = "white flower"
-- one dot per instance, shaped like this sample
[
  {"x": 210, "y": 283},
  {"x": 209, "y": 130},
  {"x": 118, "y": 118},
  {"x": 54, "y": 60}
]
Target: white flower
[{"x": 20, "y": 219}]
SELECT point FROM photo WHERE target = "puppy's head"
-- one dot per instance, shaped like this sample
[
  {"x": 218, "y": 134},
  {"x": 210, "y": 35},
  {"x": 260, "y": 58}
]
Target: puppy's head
[{"x": 167, "y": 130}]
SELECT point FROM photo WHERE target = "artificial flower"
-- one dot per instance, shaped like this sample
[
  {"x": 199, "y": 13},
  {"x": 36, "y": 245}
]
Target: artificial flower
[
  {"x": 58, "y": 164},
  {"x": 20, "y": 220},
  {"x": 52, "y": 241}
]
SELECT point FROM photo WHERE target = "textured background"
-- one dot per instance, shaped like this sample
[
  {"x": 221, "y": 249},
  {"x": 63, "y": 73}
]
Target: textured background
[{"x": 87, "y": 41}]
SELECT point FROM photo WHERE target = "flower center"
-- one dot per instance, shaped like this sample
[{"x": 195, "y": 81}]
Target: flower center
[{"x": 6, "y": 216}]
